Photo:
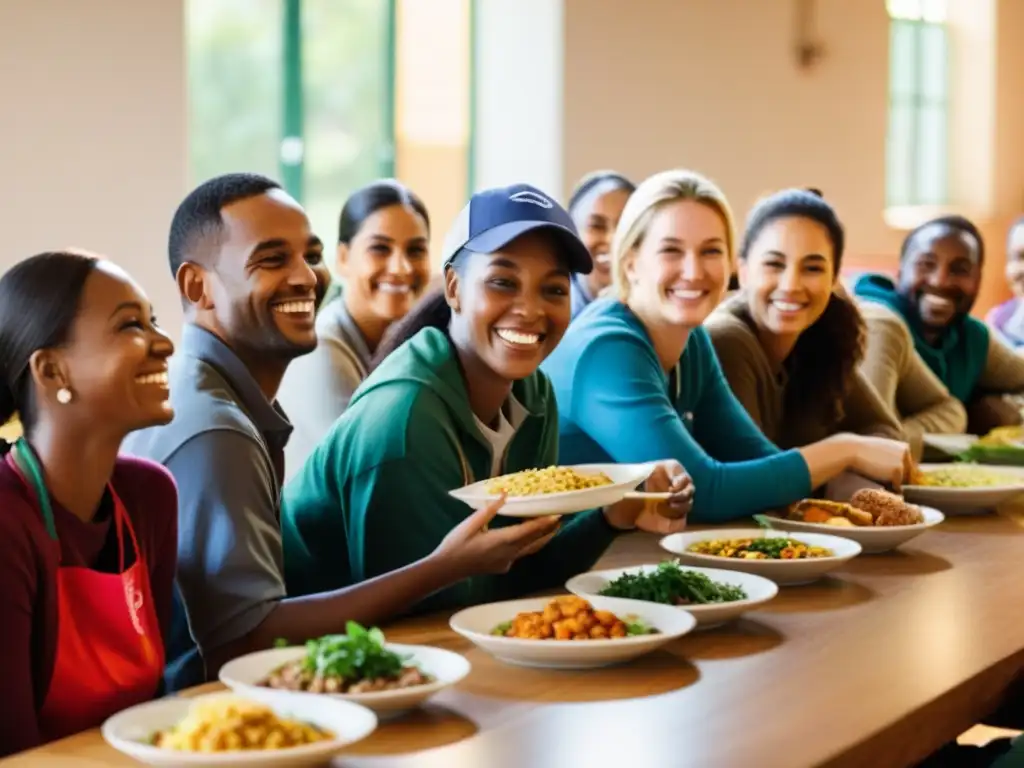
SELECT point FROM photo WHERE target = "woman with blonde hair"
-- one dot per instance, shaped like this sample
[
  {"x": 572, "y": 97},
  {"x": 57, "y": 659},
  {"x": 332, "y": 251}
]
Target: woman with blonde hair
[{"x": 636, "y": 377}]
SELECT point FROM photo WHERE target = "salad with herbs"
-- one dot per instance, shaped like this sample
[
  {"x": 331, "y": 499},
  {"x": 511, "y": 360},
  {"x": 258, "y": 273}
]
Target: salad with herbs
[
  {"x": 355, "y": 662},
  {"x": 672, "y": 585}
]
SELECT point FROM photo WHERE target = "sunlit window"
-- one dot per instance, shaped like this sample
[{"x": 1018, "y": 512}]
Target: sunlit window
[{"x": 918, "y": 136}]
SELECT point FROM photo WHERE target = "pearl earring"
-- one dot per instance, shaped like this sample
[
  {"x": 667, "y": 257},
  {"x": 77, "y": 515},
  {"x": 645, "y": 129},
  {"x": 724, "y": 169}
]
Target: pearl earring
[{"x": 63, "y": 395}]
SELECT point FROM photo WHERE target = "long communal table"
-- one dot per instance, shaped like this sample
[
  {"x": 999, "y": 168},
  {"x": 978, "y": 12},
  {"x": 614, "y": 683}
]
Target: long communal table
[{"x": 876, "y": 666}]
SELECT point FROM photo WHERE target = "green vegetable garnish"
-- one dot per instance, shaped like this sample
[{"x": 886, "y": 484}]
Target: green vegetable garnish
[
  {"x": 359, "y": 654},
  {"x": 502, "y": 628},
  {"x": 635, "y": 626},
  {"x": 672, "y": 585},
  {"x": 770, "y": 546}
]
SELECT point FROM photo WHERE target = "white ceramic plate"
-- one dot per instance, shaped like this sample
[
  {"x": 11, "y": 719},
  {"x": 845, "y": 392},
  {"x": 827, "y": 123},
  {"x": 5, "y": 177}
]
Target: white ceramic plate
[
  {"x": 624, "y": 477},
  {"x": 872, "y": 539},
  {"x": 759, "y": 590},
  {"x": 782, "y": 572},
  {"x": 446, "y": 667},
  {"x": 965, "y": 501},
  {"x": 476, "y": 624},
  {"x": 951, "y": 445},
  {"x": 130, "y": 731}
]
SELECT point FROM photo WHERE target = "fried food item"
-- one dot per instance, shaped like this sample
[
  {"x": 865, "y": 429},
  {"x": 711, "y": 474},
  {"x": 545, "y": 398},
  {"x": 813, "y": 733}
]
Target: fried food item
[
  {"x": 829, "y": 512},
  {"x": 886, "y": 508},
  {"x": 533, "y": 482},
  {"x": 570, "y": 618}
]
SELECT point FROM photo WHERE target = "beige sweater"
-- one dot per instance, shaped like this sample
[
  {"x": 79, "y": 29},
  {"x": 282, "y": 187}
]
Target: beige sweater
[
  {"x": 904, "y": 380},
  {"x": 762, "y": 390}
]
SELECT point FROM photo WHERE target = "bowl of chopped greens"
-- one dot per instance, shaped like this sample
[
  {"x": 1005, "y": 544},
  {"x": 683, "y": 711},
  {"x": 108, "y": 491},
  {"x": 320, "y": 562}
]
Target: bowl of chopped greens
[
  {"x": 712, "y": 595},
  {"x": 569, "y": 632},
  {"x": 784, "y": 557},
  {"x": 358, "y": 666}
]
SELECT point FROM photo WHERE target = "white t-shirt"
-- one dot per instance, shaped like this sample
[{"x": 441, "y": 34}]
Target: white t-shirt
[{"x": 500, "y": 438}]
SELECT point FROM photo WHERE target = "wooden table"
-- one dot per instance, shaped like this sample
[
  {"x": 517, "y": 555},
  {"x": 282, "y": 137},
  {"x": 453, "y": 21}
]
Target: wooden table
[{"x": 877, "y": 667}]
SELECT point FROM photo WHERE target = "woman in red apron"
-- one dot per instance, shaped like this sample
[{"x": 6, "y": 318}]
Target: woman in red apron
[{"x": 87, "y": 538}]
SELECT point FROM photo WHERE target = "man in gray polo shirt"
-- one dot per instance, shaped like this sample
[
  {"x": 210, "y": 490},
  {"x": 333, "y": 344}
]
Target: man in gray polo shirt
[{"x": 246, "y": 264}]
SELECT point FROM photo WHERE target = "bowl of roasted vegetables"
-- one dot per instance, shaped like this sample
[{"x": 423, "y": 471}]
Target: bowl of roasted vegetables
[
  {"x": 357, "y": 666},
  {"x": 220, "y": 729},
  {"x": 785, "y": 558},
  {"x": 569, "y": 632},
  {"x": 556, "y": 490},
  {"x": 713, "y": 595},
  {"x": 959, "y": 489},
  {"x": 878, "y": 520}
]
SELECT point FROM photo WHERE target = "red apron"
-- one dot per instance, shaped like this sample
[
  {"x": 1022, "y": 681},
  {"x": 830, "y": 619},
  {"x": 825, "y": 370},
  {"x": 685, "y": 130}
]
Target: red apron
[{"x": 110, "y": 654}]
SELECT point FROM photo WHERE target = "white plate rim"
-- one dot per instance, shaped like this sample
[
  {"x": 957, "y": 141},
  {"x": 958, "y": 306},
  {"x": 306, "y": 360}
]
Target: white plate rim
[
  {"x": 500, "y": 641},
  {"x": 868, "y": 530},
  {"x": 642, "y": 471},
  {"x": 744, "y": 533},
  {"x": 140, "y": 750},
  {"x": 748, "y": 602},
  {"x": 368, "y": 698}
]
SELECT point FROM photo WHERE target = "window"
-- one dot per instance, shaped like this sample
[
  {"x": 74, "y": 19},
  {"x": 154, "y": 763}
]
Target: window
[
  {"x": 299, "y": 90},
  {"x": 917, "y": 150}
]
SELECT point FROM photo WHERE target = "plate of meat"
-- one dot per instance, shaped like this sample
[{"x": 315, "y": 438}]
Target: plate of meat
[{"x": 877, "y": 520}]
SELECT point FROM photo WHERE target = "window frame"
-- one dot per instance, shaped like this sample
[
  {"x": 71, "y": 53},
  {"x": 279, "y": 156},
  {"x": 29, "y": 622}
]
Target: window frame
[{"x": 905, "y": 172}]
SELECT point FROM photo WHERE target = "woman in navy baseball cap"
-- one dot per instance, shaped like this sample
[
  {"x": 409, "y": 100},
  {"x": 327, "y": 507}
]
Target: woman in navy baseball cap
[{"x": 460, "y": 399}]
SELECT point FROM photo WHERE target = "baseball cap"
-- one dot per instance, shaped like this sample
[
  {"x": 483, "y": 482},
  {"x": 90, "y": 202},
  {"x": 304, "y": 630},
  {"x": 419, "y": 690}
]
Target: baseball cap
[{"x": 493, "y": 218}]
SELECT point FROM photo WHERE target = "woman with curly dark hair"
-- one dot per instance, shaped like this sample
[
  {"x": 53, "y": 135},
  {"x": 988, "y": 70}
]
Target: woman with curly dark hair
[{"x": 791, "y": 341}]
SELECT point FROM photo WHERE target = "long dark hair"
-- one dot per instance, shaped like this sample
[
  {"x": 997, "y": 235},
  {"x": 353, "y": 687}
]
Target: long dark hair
[
  {"x": 432, "y": 311},
  {"x": 39, "y": 299},
  {"x": 366, "y": 201},
  {"x": 824, "y": 361}
]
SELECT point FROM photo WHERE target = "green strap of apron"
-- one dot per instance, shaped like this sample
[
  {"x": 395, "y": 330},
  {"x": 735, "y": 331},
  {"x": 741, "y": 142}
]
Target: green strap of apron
[{"x": 29, "y": 464}]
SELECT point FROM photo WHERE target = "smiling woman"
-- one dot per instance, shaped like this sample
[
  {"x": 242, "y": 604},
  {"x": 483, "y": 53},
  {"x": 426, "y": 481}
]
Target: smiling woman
[
  {"x": 790, "y": 343},
  {"x": 87, "y": 538},
  {"x": 456, "y": 397},
  {"x": 637, "y": 379},
  {"x": 384, "y": 260}
]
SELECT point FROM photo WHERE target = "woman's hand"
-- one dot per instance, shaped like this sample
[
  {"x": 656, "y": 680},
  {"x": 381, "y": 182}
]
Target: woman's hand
[
  {"x": 472, "y": 549},
  {"x": 883, "y": 460},
  {"x": 662, "y": 517}
]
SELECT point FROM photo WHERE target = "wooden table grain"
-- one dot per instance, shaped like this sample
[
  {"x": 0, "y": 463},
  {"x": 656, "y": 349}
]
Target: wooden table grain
[{"x": 875, "y": 666}]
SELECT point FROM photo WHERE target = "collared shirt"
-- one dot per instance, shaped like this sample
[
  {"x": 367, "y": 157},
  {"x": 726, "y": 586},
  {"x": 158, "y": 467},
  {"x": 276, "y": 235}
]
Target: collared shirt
[
  {"x": 317, "y": 387},
  {"x": 225, "y": 448}
]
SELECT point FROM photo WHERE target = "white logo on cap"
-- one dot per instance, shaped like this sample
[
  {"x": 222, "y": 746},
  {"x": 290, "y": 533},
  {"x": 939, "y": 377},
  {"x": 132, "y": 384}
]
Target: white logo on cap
[{"x": 533, "y": 198}]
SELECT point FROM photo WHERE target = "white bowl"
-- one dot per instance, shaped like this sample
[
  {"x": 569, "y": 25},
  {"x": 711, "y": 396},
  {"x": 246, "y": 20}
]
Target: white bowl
[
  {"x": 965, "y": 501},
  {"x": 872, "y": 539},
  {"x": 624, "y": 477},
  {"x": 759, "y": 590},
  {"x": 477, "y": 622},
  {"x": 130, "y": 731},
  {"x": 446, "y": 667},
  {"x": 782, "y": 572}
]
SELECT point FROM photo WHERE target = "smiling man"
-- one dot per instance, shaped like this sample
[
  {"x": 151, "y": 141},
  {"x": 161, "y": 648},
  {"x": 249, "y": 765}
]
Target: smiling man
[
  {"x": 244, "y": 259},
  {"x": 939, "y": 278}
]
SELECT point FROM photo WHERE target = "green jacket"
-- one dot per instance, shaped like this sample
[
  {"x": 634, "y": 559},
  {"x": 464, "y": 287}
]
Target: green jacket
[{"x": 373, "y": 496}]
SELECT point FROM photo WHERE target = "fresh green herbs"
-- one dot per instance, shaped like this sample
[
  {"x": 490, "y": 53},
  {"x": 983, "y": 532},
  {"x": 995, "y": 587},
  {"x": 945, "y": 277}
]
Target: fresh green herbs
[
  {"x": 358, "y": 654},
  {"x": 636, "y": 626},
  {"x": 502, "y": 629},
  {"x": 770, "y": 546},
  {"x": 672, "y": 585}
]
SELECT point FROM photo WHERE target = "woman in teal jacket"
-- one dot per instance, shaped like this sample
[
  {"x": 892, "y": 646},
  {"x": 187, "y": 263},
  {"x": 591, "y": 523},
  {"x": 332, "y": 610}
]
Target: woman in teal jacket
[
  {"x": 460, "y": 399},
  {"x": 637, "y": 379}
]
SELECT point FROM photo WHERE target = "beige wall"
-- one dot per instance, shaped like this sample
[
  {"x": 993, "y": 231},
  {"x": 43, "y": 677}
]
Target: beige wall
[
  {"x": 714, "y": 85},
  {"x": 94, "y": 150},
  {"x": 93, "y": 147}
]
